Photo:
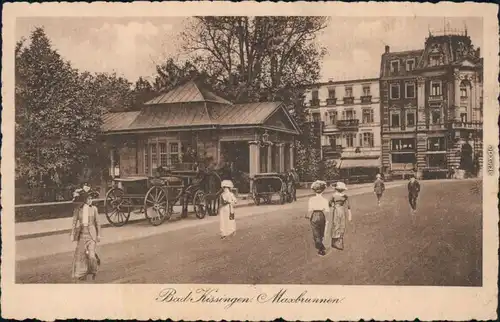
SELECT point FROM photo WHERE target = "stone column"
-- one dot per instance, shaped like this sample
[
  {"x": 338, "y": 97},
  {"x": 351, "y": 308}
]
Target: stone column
[
  {"x": 456, "y": 104},
  {"x": 254, "y": 155},
  {"x": 112, "y": 159},
  {"x": 281, "y": 156},
  {"x": 292, "y": 156},
  {"x": 269, "y": 165}
]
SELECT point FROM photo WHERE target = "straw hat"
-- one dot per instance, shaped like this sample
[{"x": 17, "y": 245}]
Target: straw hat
[
  {"x": 341, "y": 186},
  {"x": 318, "y": 186},
  {"x": 378, "y": 176},
  {"x": 227, "y": 184}
]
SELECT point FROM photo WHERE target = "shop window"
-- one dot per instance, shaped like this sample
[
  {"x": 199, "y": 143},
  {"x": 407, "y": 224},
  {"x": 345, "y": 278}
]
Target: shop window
[
  {"x": 436, "y": 160},
  {"x": 404, "y": 158},
  {"x": 403, "y": 144}
]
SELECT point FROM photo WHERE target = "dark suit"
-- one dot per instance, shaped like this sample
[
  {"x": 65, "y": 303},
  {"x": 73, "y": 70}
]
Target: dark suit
[{"x": 413, "y": 191}]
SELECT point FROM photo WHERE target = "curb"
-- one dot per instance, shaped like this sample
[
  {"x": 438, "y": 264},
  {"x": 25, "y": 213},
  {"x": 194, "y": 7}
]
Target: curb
[{"x": 106, "y": 225}]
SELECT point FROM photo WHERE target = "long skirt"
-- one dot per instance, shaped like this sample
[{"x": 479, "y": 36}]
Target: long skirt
[
  {"x": 227, "y": 226},
  {"x": 339, "y": 227},
  {"x": 318, "y": 229},
  {"x": 85, "y": 260},
  {"x": 327, "y": 239}
]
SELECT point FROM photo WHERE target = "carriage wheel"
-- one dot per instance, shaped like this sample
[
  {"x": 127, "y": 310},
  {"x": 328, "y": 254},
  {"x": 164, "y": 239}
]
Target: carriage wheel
[
  {"x": 156, "y": 206},
  {"x": 117, "y": 209},
  {"x": 199, "y": 204}
]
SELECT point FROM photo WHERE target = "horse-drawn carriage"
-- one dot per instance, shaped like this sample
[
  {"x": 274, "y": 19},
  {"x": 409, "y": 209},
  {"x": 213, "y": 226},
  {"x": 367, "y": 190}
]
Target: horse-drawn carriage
[
  {"x": 157, "y": 196},
  {"x": 266, "y": 185}
]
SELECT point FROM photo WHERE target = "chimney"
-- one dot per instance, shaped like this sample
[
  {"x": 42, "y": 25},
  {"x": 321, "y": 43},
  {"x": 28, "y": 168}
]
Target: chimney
[
  {"x": 387, "y": 49},
  {"x": 478, "y": 52}
]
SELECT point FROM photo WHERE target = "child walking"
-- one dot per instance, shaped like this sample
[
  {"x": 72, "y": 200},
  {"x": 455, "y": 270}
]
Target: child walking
[
  {"x": 226, "y": 211},
  {"x": 317, "y": 208},
  {"x": 378, "y": 188}
]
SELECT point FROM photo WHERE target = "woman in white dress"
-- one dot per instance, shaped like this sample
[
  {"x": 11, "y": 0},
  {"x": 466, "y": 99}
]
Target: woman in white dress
[{"x": 226, "y": 210}]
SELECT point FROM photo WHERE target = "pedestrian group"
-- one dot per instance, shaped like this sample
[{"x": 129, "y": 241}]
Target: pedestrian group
[{"x": 328, "y": 218}]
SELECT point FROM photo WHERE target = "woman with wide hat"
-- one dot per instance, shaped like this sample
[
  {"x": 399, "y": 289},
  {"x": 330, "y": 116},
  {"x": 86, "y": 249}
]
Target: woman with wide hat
[
  {"x": 226, "y": 210},
  {"x": 86, "y": 232},
  {"x": 341, "y": 209}
]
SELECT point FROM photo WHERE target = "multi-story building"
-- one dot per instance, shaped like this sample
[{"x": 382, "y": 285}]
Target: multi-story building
[
  {"x": 431, "y": 108},
  {"x": 349, "y": 114}
]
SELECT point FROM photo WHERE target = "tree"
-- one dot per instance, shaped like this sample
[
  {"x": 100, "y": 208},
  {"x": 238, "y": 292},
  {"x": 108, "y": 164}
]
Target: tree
[
  {"x": 143, "y": 92},
  {"x": 112, "y": 93},
  {"x": 57, "y": 118},
  {"x": 257, "y": 58}
]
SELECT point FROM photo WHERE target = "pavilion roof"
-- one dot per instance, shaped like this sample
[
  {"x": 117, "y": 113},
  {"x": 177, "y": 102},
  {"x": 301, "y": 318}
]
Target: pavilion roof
[
  {"x": 191, "y": 106},
  {"x": 189, "y": 92}
]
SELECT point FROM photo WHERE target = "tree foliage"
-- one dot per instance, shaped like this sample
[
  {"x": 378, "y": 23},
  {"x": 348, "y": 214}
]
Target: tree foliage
[
  {"x": 257, "y": 58},
  {"x": 58, "y": 115}
]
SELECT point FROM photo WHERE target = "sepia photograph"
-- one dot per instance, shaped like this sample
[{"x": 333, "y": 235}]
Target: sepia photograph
[{"x": 203, "y": 153}]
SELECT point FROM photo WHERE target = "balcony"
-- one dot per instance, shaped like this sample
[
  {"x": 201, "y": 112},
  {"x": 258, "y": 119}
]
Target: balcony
[
  {"x": 348, "y": 124},
  {"x": 366, "y": 99},
  {"x": 331, "y": 101},
  {"x": 314, "y": 102},
  {"x": 348, "y": 100},
  {"x": 435, "y": 98}
]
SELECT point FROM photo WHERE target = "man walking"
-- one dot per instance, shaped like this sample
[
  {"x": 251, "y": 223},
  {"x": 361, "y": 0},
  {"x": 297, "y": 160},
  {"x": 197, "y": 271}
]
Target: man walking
[
  {"x": 413, "y": 191},
  {"x": 378, "y": 188}
]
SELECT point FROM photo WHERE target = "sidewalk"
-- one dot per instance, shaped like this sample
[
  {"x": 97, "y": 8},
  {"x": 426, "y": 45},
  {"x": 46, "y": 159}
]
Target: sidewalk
[{"x": 48, "y": 227}]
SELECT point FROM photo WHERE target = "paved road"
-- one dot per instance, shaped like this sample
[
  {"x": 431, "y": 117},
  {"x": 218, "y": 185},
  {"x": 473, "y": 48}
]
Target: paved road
[{"x": 384, "y": 246}]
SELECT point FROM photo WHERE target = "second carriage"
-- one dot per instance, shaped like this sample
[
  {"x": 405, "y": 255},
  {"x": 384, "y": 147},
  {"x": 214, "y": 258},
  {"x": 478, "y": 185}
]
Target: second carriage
[
  {"x": 156, "y": 197},
  {"x": 266, "y": 185}
]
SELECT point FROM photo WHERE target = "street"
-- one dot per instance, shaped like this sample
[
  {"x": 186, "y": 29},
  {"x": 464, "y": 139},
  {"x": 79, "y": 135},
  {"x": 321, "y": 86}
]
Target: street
[{"x": 441, "y": 246}]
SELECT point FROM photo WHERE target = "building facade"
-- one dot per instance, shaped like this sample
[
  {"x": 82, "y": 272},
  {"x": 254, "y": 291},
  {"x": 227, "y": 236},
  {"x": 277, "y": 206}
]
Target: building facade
[
  {"x": 431, "y": 108},
  {"x": 190, "y": 125},
  {"x": 349, "y": 114}
]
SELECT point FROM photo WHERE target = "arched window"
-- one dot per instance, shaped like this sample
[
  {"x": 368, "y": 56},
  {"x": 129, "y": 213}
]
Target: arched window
[{"x": 464, "y": 89}]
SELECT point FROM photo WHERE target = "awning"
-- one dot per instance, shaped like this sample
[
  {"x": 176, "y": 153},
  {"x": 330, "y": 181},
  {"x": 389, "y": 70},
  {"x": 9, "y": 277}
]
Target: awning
[{"x": 360, "y": 163}]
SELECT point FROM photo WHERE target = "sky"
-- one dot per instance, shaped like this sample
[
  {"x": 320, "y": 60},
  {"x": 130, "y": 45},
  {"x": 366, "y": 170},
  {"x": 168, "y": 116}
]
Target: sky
[{"x": 132, "y": 47}]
